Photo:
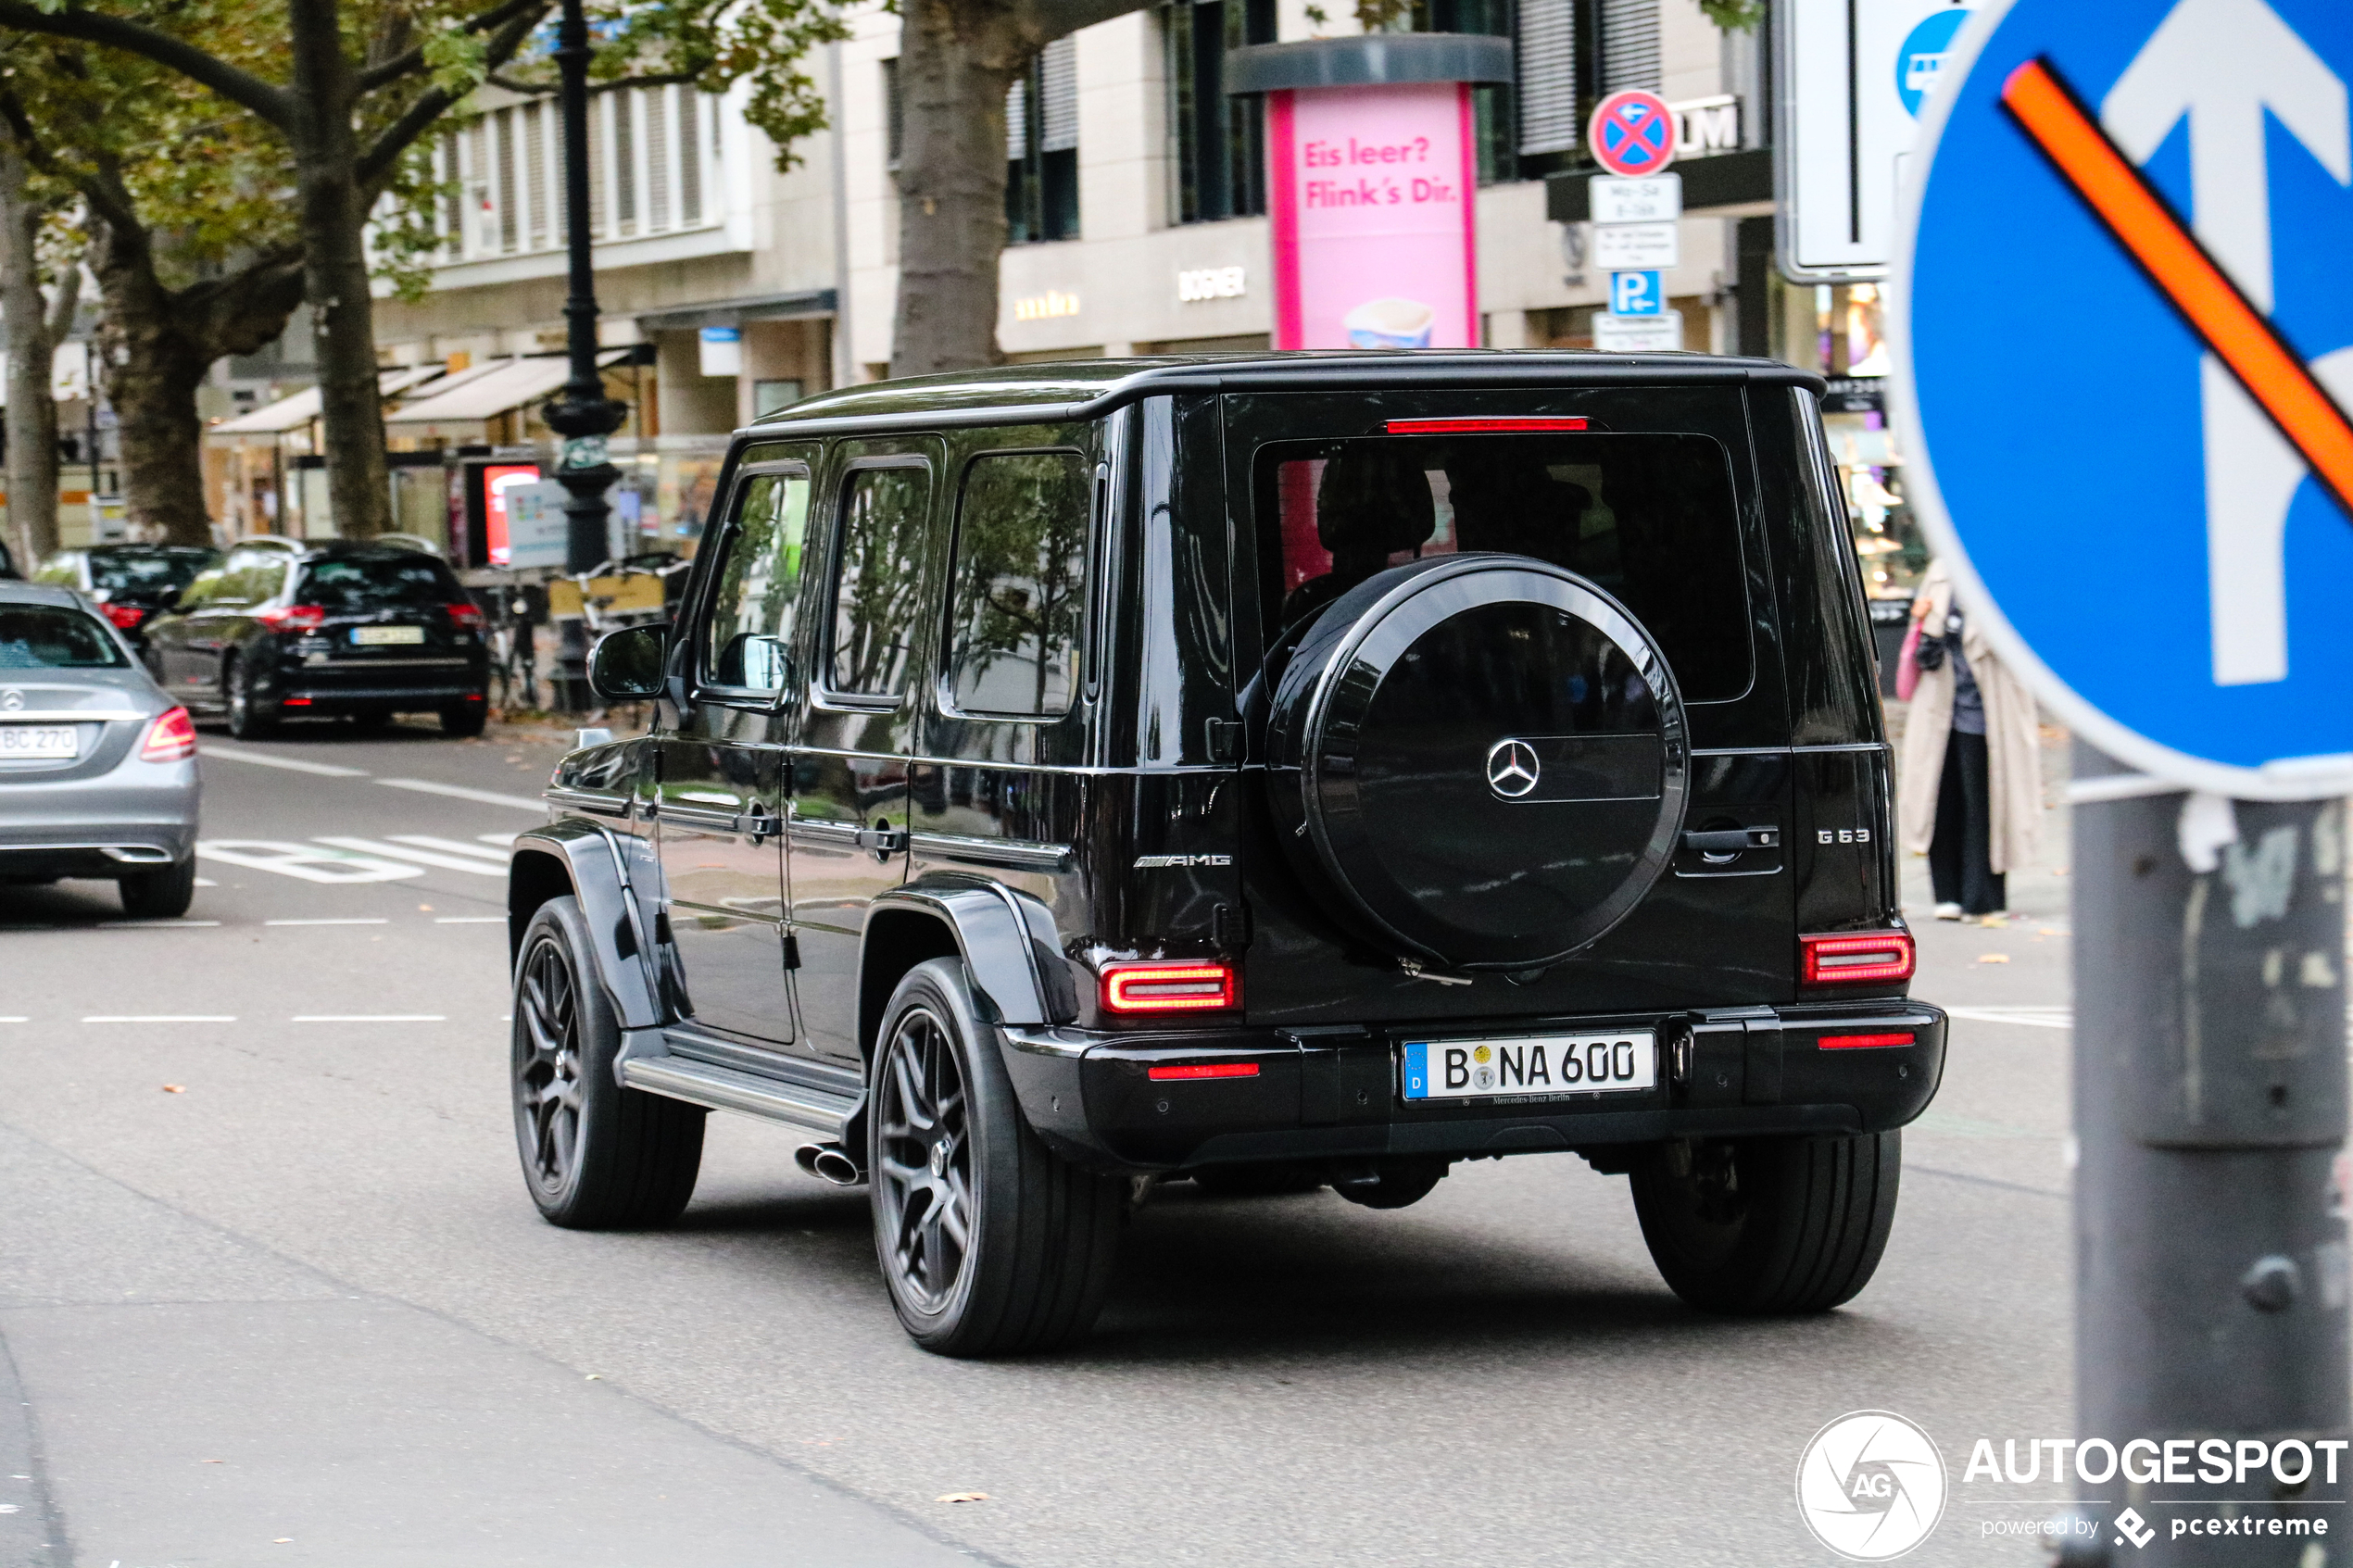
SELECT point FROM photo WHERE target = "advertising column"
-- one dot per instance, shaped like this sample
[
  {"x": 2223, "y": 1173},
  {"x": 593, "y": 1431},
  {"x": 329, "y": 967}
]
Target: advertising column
[{"x": 1373, "y": 180}]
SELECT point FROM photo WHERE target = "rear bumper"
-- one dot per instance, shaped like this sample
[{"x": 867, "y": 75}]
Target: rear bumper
[
  {"x": 1334, "y": 1094},
  {"x": 137, "y": 816},
  {"x": 344, "y": 687}
]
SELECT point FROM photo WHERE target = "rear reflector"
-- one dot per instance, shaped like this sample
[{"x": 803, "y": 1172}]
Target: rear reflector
[
  {"x": 1206, "y": 1069},
  {"x": 1167, "y": 987},
  {"x": 298, "y": 702},
  {"x": 170, "y": 738},
  {"x": 1865, "y": 1042},
  {"x": 1480, "y": 427},
  {"x": 1871, "y": 957}
]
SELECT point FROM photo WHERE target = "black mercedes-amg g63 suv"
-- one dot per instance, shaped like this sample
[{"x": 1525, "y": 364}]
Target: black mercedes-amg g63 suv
[{"x": 1269, "y": 771}]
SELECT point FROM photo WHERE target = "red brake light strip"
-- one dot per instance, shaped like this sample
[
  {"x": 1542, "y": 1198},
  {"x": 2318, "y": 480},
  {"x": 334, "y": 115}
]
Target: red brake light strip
[
  {"x": 1480, "y": 426},
  {"x": 1204, "y": 1069},
  {"x": 1865, "y": 1042}
]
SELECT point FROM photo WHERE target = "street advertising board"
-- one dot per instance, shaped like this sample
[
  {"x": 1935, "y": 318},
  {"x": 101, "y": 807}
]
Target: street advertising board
[
  {"x": 1852, "y": 82},
  {"x": 537, "y": 531},
  {"x": 2163, "y": 552},
  {"x": 1373, "y": 197}
]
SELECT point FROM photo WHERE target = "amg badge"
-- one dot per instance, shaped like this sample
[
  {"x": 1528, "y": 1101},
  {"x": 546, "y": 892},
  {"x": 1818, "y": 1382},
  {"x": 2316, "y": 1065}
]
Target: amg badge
[{"x": 1157, "y": 862}]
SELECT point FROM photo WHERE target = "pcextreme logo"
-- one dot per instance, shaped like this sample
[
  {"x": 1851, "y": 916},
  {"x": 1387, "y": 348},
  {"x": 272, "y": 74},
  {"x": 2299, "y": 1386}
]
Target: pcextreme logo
[{"x": 1870, "y": 1486}]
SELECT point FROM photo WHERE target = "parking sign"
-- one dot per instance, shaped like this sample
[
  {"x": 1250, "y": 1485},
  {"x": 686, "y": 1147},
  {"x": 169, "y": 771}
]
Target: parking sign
[
  {"x": 2160, "y": 538},
  {"x": 1636, "y": 293}
]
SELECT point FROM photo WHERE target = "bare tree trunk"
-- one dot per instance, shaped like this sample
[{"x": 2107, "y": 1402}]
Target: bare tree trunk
[
  {"x": 955, "y": 62},
  {"x": 34, "y": 325},
  {"x": 334, "y": 208}
]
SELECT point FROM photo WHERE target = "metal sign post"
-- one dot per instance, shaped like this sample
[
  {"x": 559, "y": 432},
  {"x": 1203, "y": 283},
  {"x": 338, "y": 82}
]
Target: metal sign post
[{"x": 2190, "y": 164}]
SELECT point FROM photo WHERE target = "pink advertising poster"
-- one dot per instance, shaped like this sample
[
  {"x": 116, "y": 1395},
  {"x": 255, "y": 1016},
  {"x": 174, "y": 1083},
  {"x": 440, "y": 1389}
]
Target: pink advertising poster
[{"x": 1373, "y": 194}]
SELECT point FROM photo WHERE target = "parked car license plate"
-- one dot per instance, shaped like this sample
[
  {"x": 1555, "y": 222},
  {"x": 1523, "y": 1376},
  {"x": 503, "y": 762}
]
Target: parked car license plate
[
  {"x": 39, "y": 740},
  {"x": 386, "y": 636},
  {"x": 1531, "y": 1065}
]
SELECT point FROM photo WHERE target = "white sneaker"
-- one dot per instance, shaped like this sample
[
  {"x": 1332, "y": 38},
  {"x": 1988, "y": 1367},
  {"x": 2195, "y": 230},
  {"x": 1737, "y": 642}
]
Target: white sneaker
[{"x": 1948, "y": 911}]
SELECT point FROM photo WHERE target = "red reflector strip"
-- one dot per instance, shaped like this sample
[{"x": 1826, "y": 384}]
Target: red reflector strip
[
  {"x": 1206, "y": 1070},
  {"x": 1167, "y": 987},
  {"x": 1867, "y": 958},
  {"x": 298, "y": 702},
  {"x": 1865, "y": 1042},
  {"x": 1491, "y": 427}
]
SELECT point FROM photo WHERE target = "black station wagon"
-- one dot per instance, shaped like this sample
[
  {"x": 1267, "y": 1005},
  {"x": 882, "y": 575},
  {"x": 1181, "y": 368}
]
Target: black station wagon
[{"x": 1266, "y": 771}]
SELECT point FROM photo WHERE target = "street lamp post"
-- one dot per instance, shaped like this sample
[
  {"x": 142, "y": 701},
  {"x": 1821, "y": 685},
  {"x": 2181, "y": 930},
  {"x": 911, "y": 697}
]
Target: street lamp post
[{"x": 581, "y": 413}]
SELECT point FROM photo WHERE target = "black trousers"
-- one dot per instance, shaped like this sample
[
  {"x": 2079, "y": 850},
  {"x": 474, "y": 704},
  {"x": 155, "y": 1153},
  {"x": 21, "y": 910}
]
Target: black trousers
[{"x": 1961, "y": 857}]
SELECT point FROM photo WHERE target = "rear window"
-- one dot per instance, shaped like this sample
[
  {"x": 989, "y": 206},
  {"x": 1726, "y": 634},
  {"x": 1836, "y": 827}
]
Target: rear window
[
  {"x": 395, "y": 580},
  {"x": 1648, "y": 518},
  {"x": 50, "y": 637},
  {"x": 146, "y": 570}
]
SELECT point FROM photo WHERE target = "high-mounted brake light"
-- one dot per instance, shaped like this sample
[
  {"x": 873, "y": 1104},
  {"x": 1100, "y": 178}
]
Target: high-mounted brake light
[
  {"x": 170, "y": 738},
  {"x": 1872, "y": 958},
  {"x": 1203, "y": 1070},
  {"x": 293, "y": 618},
  {"x": 125, "y": 616},
  {"x": 1867, "y": 1042},
  {"x": 1167, "y": 987},
  {"x": 1480, "y": 427},
  {"x": 463, "y": 615}
]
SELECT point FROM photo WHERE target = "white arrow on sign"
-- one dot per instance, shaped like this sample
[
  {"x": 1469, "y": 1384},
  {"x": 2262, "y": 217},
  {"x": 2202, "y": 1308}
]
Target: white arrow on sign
[{"x": 2222, "y": 64}]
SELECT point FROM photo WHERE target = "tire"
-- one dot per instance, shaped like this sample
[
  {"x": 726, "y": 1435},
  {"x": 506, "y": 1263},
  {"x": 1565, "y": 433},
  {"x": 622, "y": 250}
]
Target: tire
[
  {"x": 464, "y": 719},
  {"x": 947, "y": 1148},
  {"x": 251, "y": 716},
  {"x": 1258, "y": 1181},
  {"x": 163, "y": 895},
  {"x": 596, "y": 1155},
  {"x": 1768, "y": 1225}
]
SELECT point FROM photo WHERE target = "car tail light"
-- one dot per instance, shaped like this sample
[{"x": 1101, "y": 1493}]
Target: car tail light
[
  {"x": 1203, "y": 1070},
  {"x": 1872, "y": 958},
  {"x": 1480, "y": 427},
  {"x": 464, "y": 616},
  {"x": 170, "y": 738},
  {"x": 1867, "y": 1042},
  {"x": 293, "y": 618},
  {"x": 125, "y": 616},
  {"x": 1167, "y": 987}
]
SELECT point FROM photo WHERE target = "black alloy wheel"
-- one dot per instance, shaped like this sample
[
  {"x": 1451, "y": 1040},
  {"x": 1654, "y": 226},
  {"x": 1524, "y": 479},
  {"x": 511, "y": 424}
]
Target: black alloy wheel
[
  {"x": 923, "y": 1166},
  {"x": 464, "y": 720},
  {"x": 1756, "y": 1227},
  {"x": 595, "y": 1155},
  {"x": 250, "y": 714}
]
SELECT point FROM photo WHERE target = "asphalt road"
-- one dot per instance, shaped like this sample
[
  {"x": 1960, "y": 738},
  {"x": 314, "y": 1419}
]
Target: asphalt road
[{"x": 274, "y": 1293}]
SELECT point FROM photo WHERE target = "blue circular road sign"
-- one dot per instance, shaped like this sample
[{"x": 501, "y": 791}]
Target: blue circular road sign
[{"x": 2123, "y": 349}]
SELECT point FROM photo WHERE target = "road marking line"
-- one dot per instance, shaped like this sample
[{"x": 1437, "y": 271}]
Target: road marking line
[
  {"x": 2216, "y": 308},
  {"x": 161, "y": 1017},
  {"x": 2036, "y": 1018},
  {"x": 370, "y": 1018},
  {"x": 459, "y": 792},
  {"x": 505, "y": 841},
  {"x": 206, "y": 882},
  {"x": 154, "y": 924},
  {"x": 470, "y": 919},
  {"x": 326, "y": 922},
  {"x": 324, "y": 770},
  {"x": 454, "y": 845},
  {"x": 15, "y": 1020},
  {"x": 423, "y": 856},
  {"x": 302, "y": 861}
]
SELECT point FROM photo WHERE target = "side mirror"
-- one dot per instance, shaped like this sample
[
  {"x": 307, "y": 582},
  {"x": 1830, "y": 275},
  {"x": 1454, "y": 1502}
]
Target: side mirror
[{"x": 627, "y": 664}]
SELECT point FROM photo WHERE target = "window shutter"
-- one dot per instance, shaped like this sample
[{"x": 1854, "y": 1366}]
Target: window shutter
[
  {"x": 1629, "y": 45},
  {"x": 1547, "y": 76},
  {"x": 1058, "y": 81},
  {"x": 1017, "y": 119}
]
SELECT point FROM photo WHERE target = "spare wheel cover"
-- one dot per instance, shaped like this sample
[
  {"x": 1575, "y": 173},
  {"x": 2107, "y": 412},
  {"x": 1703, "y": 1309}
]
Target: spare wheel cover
[{"x": 1491, "y": 758}]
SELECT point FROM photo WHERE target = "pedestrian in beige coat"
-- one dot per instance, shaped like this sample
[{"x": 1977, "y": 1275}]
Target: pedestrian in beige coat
[{"x": 1970, "y": 792}]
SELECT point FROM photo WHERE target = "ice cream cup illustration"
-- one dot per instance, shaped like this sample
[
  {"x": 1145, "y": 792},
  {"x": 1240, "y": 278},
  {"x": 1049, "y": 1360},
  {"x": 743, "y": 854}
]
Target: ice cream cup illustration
[{"x": 1390, "y": 324}]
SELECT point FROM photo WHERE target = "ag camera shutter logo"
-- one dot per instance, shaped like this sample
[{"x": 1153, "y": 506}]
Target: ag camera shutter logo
[{"x": 1870, "y": 1486}]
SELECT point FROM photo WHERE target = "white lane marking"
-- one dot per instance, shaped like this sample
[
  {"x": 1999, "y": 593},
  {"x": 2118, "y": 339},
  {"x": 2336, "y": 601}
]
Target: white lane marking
[
  {"x": 459, "y": 792},
  {"x": 154, "y": 924},
  {"x": 302, "y": 861},
  {"x": 15, "y": 1020},
  {"x": 453, "y": 846},
  {"x": 370, "y": 1018},
  {"x": 326, "y": 922},
  {"x": 161, "y": 1017},
  {"x": 206, "y": 882},
  {"x": 291, "y": 764},
  {"x": 2036, "y": 1018},
  {"x": 423, "y": 856},
  {"x": 503, "y": 840},
  {"x": 470, "y": 919}
]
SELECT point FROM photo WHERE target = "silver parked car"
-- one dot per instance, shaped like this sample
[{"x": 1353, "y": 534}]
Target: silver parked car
[{"x": 97, "y": 767}]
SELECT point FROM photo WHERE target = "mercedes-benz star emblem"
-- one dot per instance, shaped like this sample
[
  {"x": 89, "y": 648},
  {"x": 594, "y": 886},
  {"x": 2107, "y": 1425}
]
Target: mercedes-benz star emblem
[
  {"x": 11, "y": 699},
  {"x": 1512, "y": 769}
]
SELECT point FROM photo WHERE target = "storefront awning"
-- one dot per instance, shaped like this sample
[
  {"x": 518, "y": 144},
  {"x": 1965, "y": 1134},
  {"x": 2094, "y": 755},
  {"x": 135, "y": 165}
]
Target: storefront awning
[
  {"x": 293, "y": 412},
  {"x": 506, "y": 383}
]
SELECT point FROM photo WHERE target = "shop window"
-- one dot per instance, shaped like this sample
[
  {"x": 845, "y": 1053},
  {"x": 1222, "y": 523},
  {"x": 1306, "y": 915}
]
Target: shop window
[
  {"x": 1019, "y": 594},
  {"x": 1041, "y": 147},
  {"x": 1218, "y": 143}
]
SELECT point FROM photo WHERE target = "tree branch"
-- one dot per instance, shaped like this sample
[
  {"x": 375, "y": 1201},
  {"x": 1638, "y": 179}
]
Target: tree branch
[
  {"x": 1058, "y": 18},
  {"x": 548, "y": 89},
  {"x": 409, "y": 61},
  {"x": 274, "y": 104},
  {"x": 375, "y": 164}
]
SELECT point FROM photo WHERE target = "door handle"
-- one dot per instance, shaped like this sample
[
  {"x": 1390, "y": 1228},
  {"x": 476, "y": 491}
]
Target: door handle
[
  {"x": 883, "y": 839},
  {"x": 757, "y": 824},
  {"x": 1733, "y": 840}
]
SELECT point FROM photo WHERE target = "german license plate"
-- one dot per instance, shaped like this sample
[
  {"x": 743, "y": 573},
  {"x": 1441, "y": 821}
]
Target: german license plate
[
  {"x": 1532, "y": 1066},
  {"x": 30, "y": 741},
  {"x": 386, "y": 636}
]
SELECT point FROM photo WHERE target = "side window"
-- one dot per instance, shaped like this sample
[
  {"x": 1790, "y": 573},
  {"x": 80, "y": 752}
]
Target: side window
[
  {"x": 205, "y": 589},
  {"x": 877, "y": 575},
  {"x": 58, "y": 570},
  {"x": 752, "y": 603},
  {"x": 1017, "y": 593},
  {"x": 260, "y": 580}
]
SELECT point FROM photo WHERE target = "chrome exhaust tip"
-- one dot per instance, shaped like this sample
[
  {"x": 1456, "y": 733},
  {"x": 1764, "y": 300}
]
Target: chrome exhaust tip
[{"x": 829, "y": 1162}]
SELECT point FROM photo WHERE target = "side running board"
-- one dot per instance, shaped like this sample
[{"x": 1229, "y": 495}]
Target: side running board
[{"x": 748, "y": 1094}]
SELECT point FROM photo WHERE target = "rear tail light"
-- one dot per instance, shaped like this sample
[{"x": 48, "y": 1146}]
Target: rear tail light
[
  {"x": 125, "y": 616},
  {"x": 293, "y": 618},
  {"x": 170, "y": 738},
  {"x": 464, "y": 616},
  {"x": 1872, "y": 958},
  {"x": 1867, "y": 1042},
  {"x": 1203, "y": 1070},
  {"x": 1167, "y": 987}
]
